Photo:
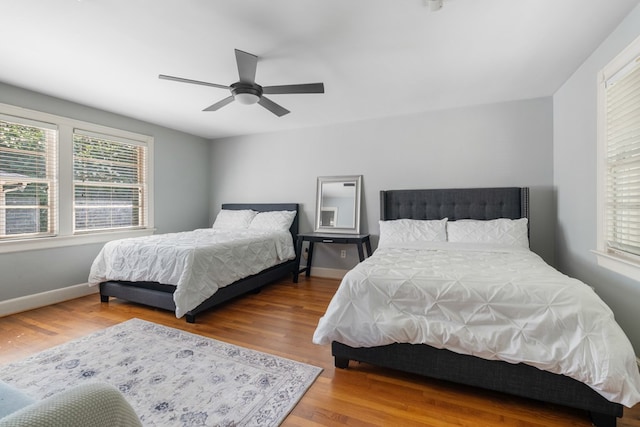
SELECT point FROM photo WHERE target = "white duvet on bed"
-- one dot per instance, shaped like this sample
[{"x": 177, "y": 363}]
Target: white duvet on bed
[
  {"x": 197, "y": 262},
  {"x": 494, "y": 303}
]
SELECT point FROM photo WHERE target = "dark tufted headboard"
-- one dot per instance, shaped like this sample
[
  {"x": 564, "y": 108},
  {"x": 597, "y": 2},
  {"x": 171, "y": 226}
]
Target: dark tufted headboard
[{"x": 455, "y": 203}]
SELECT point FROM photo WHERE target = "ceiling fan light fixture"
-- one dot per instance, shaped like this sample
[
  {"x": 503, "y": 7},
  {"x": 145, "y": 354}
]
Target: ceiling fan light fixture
[
  {"x": 246, "y": 93},
  {"x": 246, "y": 98}
]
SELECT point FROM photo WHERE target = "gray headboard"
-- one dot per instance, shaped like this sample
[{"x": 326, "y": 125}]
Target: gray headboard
[{"x": 455, "y": 203}]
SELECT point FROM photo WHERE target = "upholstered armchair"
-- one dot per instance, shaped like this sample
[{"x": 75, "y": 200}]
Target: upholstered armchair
[{"x": 92, "y": 404}]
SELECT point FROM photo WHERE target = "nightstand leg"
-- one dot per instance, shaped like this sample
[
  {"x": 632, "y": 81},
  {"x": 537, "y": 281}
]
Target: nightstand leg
[
  {"x": 309, "y": 257},
  {"x": 367, "y": 243},
  {"x": 360, "y": 251},
  {"x": 296, "y": 272}
]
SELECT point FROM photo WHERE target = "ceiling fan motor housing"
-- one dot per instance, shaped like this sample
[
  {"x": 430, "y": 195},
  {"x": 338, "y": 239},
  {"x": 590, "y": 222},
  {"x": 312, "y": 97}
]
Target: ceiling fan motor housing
[{"x": 246, "y": 93}]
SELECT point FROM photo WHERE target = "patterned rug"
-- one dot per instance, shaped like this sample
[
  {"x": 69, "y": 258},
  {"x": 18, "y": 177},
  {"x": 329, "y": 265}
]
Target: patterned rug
[{"x": 171, "y": 377}]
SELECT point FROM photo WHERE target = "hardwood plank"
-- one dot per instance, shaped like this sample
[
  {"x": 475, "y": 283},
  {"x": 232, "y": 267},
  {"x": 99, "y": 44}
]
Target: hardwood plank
[{"x": 281, "y": 320}]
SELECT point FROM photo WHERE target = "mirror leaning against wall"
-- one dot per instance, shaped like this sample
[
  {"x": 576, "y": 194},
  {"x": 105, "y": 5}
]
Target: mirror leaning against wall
[{"x": 338, "y": 204}]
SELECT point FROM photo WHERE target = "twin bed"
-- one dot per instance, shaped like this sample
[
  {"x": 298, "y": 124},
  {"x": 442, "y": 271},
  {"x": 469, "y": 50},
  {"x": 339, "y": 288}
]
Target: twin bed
[
  {"x": 249, "y": 246},
  {"x": 453, "y": 293}
]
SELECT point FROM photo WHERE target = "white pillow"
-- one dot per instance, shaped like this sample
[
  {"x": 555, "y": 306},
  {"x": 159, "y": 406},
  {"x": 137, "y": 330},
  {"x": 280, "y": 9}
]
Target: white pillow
[
  {"x": 229, "y": 219},
  {"x": 273, "y": 220},
  {"x": 412, "y": 230},
  {"x": 504, "y": 231}
]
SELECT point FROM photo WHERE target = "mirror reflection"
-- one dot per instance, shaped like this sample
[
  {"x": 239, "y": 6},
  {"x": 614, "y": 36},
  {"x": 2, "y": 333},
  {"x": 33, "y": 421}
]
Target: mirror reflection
[{"x": 338, "y": 204}]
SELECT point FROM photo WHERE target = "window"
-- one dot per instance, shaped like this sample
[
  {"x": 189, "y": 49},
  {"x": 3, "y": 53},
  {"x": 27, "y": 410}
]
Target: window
[
  {"x": 109, "y": 182},
  {"x": 27, "y": 178},
  {"x": 65, "y": 182},
  {"x": 619, "y": 163}
]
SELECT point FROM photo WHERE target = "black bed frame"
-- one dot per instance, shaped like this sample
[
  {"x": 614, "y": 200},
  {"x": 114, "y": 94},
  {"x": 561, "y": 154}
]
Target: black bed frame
[
  {"x": 516, "y": 379},
  {"x": 159, "y": 295}
]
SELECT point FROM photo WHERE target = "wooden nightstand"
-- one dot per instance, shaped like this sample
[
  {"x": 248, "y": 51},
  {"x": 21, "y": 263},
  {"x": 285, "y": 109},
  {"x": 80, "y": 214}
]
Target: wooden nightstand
[{"x": 356, "y": 239}]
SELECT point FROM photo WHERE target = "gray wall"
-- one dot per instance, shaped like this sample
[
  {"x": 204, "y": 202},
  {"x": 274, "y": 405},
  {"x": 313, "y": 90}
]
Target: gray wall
[
  {"x": 506, "y": 144},
  {"x": 574, "y": 168},
  {"x": 182, "y": 188}
]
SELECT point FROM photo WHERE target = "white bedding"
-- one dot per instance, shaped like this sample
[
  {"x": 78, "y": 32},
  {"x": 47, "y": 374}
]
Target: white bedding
[
  {"x": 197, "y": 262},
  {"x": 492, "y": 302}
]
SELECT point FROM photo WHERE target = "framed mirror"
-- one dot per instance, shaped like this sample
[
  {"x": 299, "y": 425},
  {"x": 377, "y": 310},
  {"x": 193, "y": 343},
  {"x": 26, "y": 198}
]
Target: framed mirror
[{"x": 338, "y": 204}]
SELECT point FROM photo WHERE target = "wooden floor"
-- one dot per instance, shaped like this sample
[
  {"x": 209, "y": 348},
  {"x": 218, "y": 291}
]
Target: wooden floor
[{"x": 280, "y": 320}]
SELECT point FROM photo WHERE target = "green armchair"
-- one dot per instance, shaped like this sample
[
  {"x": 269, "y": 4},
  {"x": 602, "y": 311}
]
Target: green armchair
[{"x": 92, "y": 404}]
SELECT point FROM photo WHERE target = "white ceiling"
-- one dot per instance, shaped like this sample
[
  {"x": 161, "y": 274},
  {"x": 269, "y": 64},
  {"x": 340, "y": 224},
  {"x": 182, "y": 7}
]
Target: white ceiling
[{"x": 376, "y": 58}]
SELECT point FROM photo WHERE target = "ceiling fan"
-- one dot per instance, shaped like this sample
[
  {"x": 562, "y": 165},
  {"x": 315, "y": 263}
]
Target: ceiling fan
[{"x": 247, "y": 91}]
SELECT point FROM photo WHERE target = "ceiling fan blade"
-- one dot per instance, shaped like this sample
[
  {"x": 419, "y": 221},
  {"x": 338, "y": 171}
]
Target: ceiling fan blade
[
  {"x": 247, "y": 64},
  {"x": 218, "y": 105},
  {"x": 301, "y": 88},
  {"x": 273, "y": 107},
  {"x": 195, "y": 82}
]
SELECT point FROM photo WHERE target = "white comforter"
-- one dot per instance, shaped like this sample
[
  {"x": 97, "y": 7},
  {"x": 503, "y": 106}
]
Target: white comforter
[
  {"x": 494, "y": 303},
  {"x": 197, "y": 262}
]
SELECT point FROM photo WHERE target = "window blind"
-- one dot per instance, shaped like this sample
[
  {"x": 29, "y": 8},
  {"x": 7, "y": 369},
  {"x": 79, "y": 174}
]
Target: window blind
[
  {"x": 110, "y": 190},
  {"x": 622, "y": 202},
  {"x": 28, "y": 178}
]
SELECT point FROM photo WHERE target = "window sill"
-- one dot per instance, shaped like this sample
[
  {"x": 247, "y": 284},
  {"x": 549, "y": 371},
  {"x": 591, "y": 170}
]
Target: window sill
[
  {"x": 75, "y": 240},
  {"x": 620, "y": 265}
]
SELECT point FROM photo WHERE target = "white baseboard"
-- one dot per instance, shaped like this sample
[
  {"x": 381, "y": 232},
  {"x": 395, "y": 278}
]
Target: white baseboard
[{"x": 42, "y": 299}]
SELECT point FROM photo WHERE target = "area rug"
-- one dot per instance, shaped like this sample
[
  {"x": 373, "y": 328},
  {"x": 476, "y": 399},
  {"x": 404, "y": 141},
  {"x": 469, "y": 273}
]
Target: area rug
[{"x": 171, "y": 377}]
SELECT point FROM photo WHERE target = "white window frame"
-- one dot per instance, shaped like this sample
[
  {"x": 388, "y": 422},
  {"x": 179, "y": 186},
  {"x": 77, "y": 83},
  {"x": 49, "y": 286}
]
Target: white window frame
[
  {"x": 65, "y": 233},
  {"x": 51, "y": 177},
  {"x": 140, "y": 185},
  {"x": 627, "y": 265}
]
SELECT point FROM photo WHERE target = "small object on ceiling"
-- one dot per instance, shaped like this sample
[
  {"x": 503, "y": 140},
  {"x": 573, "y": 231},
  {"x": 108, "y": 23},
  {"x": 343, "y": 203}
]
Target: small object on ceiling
[
  {"x": 247, "y": 91},
  {"x": 434, "y": 4}
]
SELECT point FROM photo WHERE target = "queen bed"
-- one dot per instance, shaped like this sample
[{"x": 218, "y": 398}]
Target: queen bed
[
  {"x": 248, "y": 247},
  {"x": 458, "y": 296}
]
